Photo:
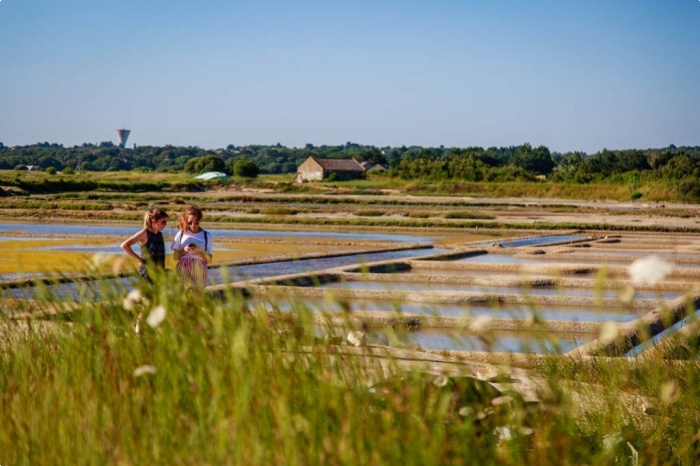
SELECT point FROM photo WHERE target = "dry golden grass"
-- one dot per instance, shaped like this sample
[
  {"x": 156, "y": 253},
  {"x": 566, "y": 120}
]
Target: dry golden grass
[{"x": 20, "y": 256}]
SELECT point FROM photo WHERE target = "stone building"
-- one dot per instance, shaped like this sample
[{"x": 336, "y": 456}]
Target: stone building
[{"x": 317, "y": 169}]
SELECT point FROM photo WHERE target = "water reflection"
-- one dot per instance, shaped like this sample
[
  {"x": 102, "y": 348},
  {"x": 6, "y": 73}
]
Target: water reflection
[
  {"x": 457, "y": 341},
  {"x": 126, "y": 231},
  {"x": 537, "y": 241},
  {"x": 495, "y": 290},
  {"x": 96, "y": 290},
  {"x": 543, "y": 312},
  {"x": 509, "y": 344}
]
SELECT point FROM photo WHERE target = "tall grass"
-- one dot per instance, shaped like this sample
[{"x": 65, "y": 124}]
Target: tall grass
[{"x": 217, "y": 382}]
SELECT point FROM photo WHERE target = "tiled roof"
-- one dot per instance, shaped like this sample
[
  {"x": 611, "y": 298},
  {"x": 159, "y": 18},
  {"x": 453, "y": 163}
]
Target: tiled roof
[{"x": 350, "y": 165}]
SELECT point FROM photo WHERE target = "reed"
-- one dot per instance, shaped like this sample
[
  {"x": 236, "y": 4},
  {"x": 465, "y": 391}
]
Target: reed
[{"x": 215, "y": 380}]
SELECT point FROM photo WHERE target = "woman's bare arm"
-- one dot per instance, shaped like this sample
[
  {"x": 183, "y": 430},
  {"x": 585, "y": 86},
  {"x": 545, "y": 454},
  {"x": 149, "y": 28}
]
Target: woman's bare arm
[{"x": 139, "y": 238}]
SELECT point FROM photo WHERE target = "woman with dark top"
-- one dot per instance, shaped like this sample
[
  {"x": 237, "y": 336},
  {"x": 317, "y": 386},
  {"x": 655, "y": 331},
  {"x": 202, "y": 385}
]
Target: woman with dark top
[{"x": 151, "y": 240}]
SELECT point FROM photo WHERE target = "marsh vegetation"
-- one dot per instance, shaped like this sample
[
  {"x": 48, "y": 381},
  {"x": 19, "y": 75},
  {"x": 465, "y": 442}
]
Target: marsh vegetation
[
  {"x": 219, "y": 378},
  {"x": 213, "y": 380}
]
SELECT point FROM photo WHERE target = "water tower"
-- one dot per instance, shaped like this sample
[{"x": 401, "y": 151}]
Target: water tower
[{"x": 123, "y": 135}]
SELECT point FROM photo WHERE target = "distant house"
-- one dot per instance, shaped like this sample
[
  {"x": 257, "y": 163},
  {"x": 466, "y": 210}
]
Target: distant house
[
  {"x": 317, "y": 169},
  {"x": 366, "y": 165},
  {"x": 380, "y": 167}
]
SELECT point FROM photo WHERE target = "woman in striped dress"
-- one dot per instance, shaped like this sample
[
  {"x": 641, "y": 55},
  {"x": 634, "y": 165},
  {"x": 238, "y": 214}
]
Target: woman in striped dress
[{"x": 192, "y": 248}]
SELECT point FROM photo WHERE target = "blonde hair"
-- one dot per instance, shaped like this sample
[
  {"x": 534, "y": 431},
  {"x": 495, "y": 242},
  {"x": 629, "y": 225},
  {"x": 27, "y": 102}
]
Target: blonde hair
[
  {"x": 153, "y": 216},
  {"x": 189, "y": 210}
]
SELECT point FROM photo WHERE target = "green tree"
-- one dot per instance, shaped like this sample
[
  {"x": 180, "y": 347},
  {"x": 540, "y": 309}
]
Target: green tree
[
  {"x": 373, "y": 155},
  {"x": 630, "y": 160},
  {"x": 538, "y": 161},
  {"x": 604, "y": 162},
  {"x": 681, "y": 167},
  {"x": 244, "y": 168},
  {"x": 573, "y": 168},
  {"x": 209, "y": 163}
]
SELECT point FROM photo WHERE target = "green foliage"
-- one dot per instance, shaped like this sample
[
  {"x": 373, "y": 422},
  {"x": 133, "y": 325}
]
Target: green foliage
[
  {"x": 68, "y": 171},
  {"x": 467, "y": 214},
  {"x": 411, "y": 163},
  {"x": 538, "y": 161},
  {"x": 636, "y": 195},
  {"x": 509, "y": 173},
  {"x": 50, "y": 171},
  {"x": 369, "y": 213},
  {"x": 209, "y": 163},
  {"x": 43, "y": 183},
  {"x": 236, "y": 384},
  {"x": 688, "y": 190},
  {"x": 573, "y": 169},
  {"x": 419, "y": 214},
  {"x": 244, "y": 168},
  {"x": 276, "y": 211},
  {"x": 373, "y": 155}
]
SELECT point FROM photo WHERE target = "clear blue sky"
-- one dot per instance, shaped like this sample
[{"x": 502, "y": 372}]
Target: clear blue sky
[{"x": 571, "y": 75}]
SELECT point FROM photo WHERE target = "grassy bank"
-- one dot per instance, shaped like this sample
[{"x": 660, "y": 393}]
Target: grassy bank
[
  {"x": 14, "y": 182},
  {"x": 209, "y": 381}
]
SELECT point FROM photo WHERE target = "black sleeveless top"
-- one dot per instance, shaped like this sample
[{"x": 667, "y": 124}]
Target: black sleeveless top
[{"x": 153, "y": 251}]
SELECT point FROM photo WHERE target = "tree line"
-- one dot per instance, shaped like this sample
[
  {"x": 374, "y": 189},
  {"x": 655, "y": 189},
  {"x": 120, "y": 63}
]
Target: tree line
[{"x": 512, "y": 163}]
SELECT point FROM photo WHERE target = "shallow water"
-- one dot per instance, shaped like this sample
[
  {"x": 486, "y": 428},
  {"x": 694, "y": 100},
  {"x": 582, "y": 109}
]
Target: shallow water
[
  {"x": 536, "y": 241},
  {"x": 563, "y": 313},
  {"x": 97, "y": 290},
  {"x": 509, "y": 344},
  {"x": 126, "y": 231},
  {"x": 531, "y": 291},
  {"x": 656, "y": 339},
  {"x": 498, "y": 259},
  {"x": 457, "y": 341}
]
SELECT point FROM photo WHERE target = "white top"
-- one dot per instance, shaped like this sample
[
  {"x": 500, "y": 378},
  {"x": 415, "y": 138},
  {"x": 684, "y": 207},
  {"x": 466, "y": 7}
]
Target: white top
[{"x": 181, "y": 240}]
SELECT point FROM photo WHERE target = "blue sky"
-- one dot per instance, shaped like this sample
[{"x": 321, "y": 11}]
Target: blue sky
[{"x": 570, "y": 75}]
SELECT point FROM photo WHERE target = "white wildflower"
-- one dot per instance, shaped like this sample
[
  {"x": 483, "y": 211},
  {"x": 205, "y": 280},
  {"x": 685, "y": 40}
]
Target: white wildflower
[
  {"x": 626, "y": 296},
  {"x": 503, "y": 433},
  {"x": 670, "y": 392},
  {"x": 143, "y": 370},
  {"x": 650, "y": 270},
  {"x": 611, "y": 441},
  {"x": 440, "y": 381},
  {"x": 99, "y": 259},
  {"x": 356, "y": 338},
  {"x": 480, "y": 324},
  {"x": 156, "y": 316},
  {"x": 608, "y": 332},
  {"x": 132, "y": 299}
]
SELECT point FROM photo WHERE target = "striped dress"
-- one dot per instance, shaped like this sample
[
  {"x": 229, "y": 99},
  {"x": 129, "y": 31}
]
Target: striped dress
[{"x": 192, "y": 268}]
